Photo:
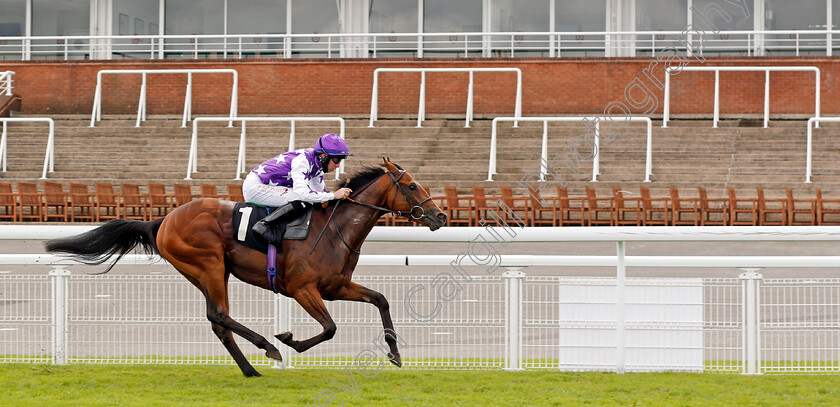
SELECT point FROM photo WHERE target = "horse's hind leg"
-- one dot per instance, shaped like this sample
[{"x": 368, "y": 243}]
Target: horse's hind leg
[
  {"x": 217, "y": 312},
  {"x": 226, "y": 336},
  {"x": 310, "y": 299},
  {"x": 356, "y": 292}
]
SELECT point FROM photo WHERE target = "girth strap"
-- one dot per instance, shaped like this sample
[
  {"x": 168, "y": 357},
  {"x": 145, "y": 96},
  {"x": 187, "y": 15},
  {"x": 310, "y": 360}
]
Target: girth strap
[{"x": 271, "y": 267}]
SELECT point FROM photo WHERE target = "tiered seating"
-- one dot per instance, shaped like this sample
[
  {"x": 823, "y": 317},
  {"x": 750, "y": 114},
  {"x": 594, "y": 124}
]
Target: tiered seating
[
  {"x": 647, "y": 210},
  {"x": 52, "y": 202}
]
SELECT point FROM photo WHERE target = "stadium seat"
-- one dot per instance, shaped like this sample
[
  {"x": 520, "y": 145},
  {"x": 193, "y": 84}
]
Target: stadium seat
[
  {"x": 808, "y": 207},
  {"x": 209, "y": 191},
  {"x": 107, "y": 202},
  {"x": 654, "y": 210},
  {"x": 234, "y": 193},
  {"x": 8, "y": 203},
  {"x": 542, "y": 209},
  {"x": 628, "y": 211},
  {"x": 133, "y": 202},
  {"x": 714, "y": 207},
  {"x": 30, "y": 202},
  {"x": 181, "y": 194},
  {"x": 458, "y": 209},
  {"x": 55, "y": 202},
  {"x": 827, "y": 209},
  {"x": 571, "y": 211},
  {"x": 518, "y": 207},
  {"x": 160, "y": 203},
  {"x": 595, "y": 209},
  {"x": 684, "y": 206},
  {"x": 767, "y": 208},
  {"x": 742, "y": 206},
  {"x": 82, "y": 203}
]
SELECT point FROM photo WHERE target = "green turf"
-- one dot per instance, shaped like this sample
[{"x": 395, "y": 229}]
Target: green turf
[{"x": 197, "y": 385}]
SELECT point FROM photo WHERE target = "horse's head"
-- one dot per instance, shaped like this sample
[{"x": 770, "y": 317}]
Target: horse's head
[{"x": 411, "y": 198}]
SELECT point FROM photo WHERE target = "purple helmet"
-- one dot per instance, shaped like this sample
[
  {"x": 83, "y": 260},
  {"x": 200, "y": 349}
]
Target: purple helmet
[{"x": 332, "y": 144}]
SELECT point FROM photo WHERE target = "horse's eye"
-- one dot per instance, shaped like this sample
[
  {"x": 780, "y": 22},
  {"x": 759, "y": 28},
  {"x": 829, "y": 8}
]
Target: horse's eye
[{"x": 412, "y": 187}]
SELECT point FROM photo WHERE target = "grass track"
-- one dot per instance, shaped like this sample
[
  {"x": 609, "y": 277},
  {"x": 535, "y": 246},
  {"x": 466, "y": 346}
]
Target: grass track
[{"x": 195, "y": 385}]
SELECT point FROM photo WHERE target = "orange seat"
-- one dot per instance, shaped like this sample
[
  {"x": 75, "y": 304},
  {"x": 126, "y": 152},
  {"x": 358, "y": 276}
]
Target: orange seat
[
  {"x": 133, "y": 202},
  {"x": 458, "y": 212},
  {"x": 741, "y": 206},
  {"x": 209, "y": 191},
  {"x": 160, "y": 203},
  {"x": 8, "y": 203},
  {"x": 595, "y": 211},
  {"x": 767, "y": 208},
  {"x": 571, "y": 211},
  {"x": 827, "y": 209},
  {"x": 82, "y": 204},
  {"x": 107, "y": 202},
  {"x": 56, "y": 203},
  {"x": 655, "y": 211},
  {"x": 30, "y": 202},
  {"x": 628, "y": 211},
  {"x": 518, "y": 211},
  {"x": 710, "y": 207},
  {"x": 684, "y": 206},
  {"x": 181, "y": 194},
  {"x": 808, "y": 208},
  {"x": 234, "y": 193}
]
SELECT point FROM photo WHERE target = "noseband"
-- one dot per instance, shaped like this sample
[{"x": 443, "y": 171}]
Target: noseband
[{"x": 416, "y": 212}]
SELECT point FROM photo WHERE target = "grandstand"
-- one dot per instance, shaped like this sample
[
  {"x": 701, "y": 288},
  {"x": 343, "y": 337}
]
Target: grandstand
[{"x": 568, "y": 70}]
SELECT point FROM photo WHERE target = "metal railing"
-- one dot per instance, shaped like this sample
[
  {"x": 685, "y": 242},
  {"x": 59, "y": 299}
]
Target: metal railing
[
  {"x": 421, "y": 113},
  {"x": 420, "y": 45},
  {"x": 6, "y": 83},
  {"x": 813, "y": 122},
  {"x": 96, "y": 115},
  {"x": 766, "y": 69},
  {"x": 532, "y": 314},
  {"x": 491, "y": 170},
  {"x": 49, "y": 156},
  {"x": 192, "y": 163}
]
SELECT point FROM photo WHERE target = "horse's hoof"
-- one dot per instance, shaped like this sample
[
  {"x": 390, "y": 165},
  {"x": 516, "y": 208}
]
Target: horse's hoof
[
  {"x": 285, "y": 337},
  {"x": 274, "y": 354},
  {"x": 252, "y": 374},
  {"x": 395, "y": 359}
]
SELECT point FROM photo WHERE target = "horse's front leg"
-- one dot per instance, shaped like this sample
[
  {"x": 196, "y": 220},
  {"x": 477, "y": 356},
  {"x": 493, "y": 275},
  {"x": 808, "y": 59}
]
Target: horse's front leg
[
  {"x": 310, "y": 299},
  {"x": 356, "y": 292}
]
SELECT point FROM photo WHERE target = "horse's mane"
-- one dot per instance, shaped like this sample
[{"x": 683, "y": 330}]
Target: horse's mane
[{"x": 365, "y": 176}]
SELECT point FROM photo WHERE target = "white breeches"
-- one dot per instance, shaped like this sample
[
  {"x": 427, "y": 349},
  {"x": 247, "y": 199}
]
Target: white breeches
[{"x": 256, "y": 192}]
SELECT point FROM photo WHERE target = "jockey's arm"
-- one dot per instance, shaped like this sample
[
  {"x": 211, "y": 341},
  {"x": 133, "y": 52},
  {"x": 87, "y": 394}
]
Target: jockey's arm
[{"x": 301, "y": 185}]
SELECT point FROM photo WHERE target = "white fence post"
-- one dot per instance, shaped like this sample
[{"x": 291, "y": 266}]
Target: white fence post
[
  {"x": 59, "y": 277},
  {"x": 283, "y": 323},
  {"x": 513, "y": 319},
  {"x": 750, "y": 282}
]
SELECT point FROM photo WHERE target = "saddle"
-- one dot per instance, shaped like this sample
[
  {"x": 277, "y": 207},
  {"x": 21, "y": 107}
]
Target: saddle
[{"x": 245, "y": 215}]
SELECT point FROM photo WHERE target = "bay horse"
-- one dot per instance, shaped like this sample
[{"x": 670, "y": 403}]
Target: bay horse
[{"x": 198, "y": 239}]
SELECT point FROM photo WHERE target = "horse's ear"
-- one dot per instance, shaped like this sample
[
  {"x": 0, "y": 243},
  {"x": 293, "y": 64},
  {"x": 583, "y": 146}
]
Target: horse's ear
[{"x": 389, "y": 165}]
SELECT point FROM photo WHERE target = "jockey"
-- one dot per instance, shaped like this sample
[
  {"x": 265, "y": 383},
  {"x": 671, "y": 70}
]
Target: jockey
[{"x": 292, "y": 180}]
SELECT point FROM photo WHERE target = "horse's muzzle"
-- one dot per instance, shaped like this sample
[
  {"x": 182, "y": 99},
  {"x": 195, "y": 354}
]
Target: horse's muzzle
[{"x": 437, "y": 221}]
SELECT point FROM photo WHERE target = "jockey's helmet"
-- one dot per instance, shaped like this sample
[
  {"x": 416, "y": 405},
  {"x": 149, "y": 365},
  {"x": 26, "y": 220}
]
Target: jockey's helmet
[{"x": 332, "y": 144}]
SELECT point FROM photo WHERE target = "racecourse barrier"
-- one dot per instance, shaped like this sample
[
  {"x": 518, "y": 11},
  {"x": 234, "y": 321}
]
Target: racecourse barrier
[{"x": 507, "y": 321}]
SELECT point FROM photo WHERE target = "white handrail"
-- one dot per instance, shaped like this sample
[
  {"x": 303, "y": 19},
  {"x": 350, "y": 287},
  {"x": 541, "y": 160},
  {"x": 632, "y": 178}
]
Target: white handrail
[
  {"x": 421, "y": 114},
  {"x": 491, "y": 170},
  {"x": 459, "y": 44},
  {"x": 527, "y": 234},
  {"x": 141, "y": 108},
  {"x": 813, "y": 122},
  {"x": 192, "y": 163},
  {"x": 6, "y": 82},
  {"x": 49, "y": 157},
  {"x": 766, "y": 69}
]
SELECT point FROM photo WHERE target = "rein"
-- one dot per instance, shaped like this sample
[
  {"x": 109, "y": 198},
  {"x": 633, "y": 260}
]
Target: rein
[{"x": 415, "y": 213}]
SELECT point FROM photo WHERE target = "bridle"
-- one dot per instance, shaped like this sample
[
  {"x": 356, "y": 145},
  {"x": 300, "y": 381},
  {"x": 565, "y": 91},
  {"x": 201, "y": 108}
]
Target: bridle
[{"x": 415, "y": 213}]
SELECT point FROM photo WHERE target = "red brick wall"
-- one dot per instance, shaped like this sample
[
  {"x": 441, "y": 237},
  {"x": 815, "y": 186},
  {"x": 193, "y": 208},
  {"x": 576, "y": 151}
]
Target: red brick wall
[{"x": 286, "y": 87}]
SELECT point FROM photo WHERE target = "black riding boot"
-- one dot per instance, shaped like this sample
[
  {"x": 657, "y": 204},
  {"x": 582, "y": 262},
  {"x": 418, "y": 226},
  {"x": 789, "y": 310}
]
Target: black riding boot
[{"x": 273, "y": 226}]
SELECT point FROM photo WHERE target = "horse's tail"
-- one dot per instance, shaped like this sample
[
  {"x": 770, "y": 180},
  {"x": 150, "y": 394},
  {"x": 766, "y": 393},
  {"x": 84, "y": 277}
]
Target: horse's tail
[{"x": 113, "y": 238}]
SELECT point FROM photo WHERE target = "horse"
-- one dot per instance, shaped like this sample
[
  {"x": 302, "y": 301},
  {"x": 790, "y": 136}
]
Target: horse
[{"x": 198, "y": 239}]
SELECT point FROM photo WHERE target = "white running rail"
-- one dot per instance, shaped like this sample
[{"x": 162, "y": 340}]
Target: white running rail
[
  {"x": 141, "y": 108},
  {"x": 192, "y": 164},
  {"x": 766, "y": 69},
  {"x": 421, "y": 114},
  {"x": 49, "y": 157},
  {"x": 6, "y": 82},
  {"x": 513, "y": 278},
  {"x": 491, "y": 170}
]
